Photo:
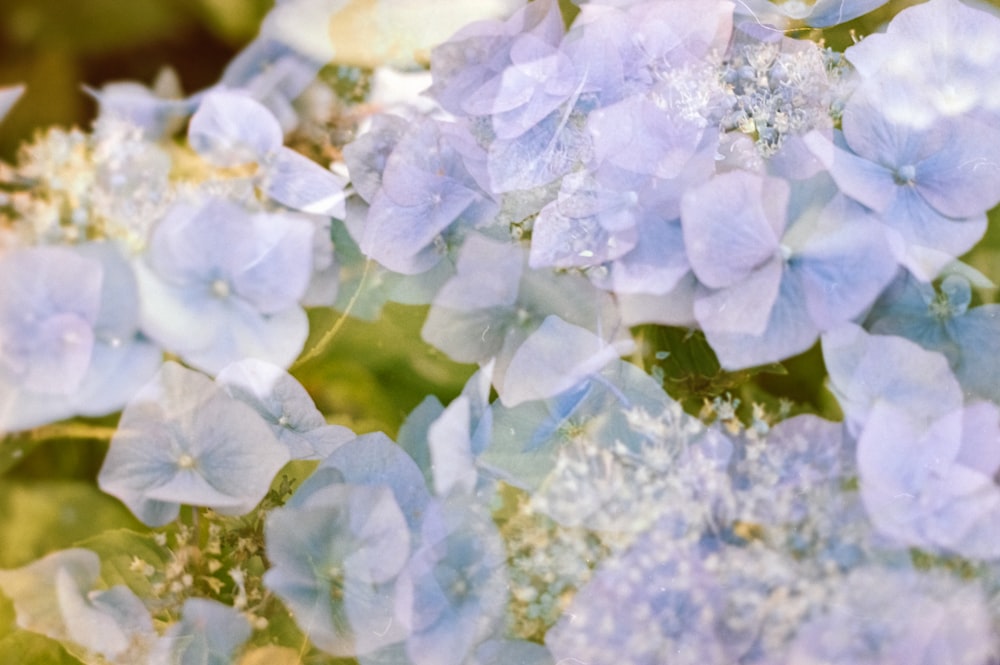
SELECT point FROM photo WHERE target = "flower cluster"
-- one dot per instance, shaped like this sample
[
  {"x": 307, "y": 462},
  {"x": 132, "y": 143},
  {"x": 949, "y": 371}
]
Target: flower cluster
[{"x": 595, "y": 494}]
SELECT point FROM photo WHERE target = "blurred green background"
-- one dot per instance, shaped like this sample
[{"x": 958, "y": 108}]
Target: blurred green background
[{"x": 54, "y": 46}]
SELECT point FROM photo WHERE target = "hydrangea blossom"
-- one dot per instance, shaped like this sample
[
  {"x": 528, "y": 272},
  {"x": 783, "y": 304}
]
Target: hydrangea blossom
[
  {"x": 940, "y": 55},
  {"x": 656, "y": 598},
  {"x": 56, "y": 596},
  {"x": 183, "y": 440},
  {"x": 933, "y": 487},
  {"x": 209, "y": 633},
  {"x": 429, "y": 188},
  {"x": 780, "y": 269},
  {"x": 940, "y": 320},
  {"x": 231, "y": 129},
  {"x": 494, "y": 305},
  {"x": 219, "y": 284},
  {"x": 49, "y": 310},
  {"x": 285, "y": 405},
  {"x": 868, "y": 369},
  {"x": 930, "y": 185},
  {"x": 815, "y": 13},
  {"x": 453, "y": 590},
  {"x": 881, "y": 616},
  {"x": 158, "y": 111},
  {"x": 335, "y": 553}
]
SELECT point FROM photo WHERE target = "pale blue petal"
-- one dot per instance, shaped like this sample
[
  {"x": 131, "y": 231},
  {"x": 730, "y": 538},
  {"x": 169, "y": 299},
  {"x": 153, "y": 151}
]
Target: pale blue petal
[
  {"x": 554, "y": 358},
  {"x": 731, "y": 228},
  {"x": 231, "y": 128},
  {"x": 296, "y": 181}
]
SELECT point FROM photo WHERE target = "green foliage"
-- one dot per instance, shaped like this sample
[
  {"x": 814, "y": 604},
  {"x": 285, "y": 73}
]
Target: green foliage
[
  {"x": 23, "y": 648},
  {"x": 43, "y": 516},
  {"x": 92, "y": 26},
  {"x": 374, "y": 373}
]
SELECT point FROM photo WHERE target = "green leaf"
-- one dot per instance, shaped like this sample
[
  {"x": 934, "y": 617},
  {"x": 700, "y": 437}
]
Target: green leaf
[
  {"x": 24, "y": 648},
  {"x": 43, "y": 516}
]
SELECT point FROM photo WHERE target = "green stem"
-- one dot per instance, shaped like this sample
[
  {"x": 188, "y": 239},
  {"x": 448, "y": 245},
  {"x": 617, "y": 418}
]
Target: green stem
[{"x": 328, "y": 336}]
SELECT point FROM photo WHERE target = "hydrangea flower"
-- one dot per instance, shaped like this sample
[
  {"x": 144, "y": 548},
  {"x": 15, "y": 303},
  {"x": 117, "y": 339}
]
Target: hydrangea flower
[
  {"x": 278, "y": 65},
  {"x": 335, "y": 554},
  {"x": 554, "y": 358},
  {"x": 781, "y": 268},
  {"x": 777, "y": 477},
  {"x": 481, "y": 52},
  {"x": 656, "y": 598},
  {"x": 452, "y": 593},
  {"x": 526, "y": 438},
  {"x": 940, "y": 320},
  {"x": 373, "y": 460},
  {"x": 209, "y": 633},
  {"x": 183, "y": 440},
  {"x": 218, "y": 284},
  {"x": 123, "y": 359},
  {"x": 494, "y": 304},
  {"x": 867, "y": 369},
  {"x": 48, "y": 311},
  {"x": 538, "y": 79},
  {"x": 933, "y": 487},
  {"x": 158, "y": 111},
  {"x": 56, "y": 596},
  {"x": 429, "y": 189},
  {"x": 458, "y": 435},
  {"x": 776, "y": 89},
  {"x": 940, "y": 55},
  {"x": 285, "y": 405},
  {"x": 882, "y": 616},
  {"x": 814, "y": 13},
  {"x": 930, "y": 185},
  {"x": 232, "y": 129}
]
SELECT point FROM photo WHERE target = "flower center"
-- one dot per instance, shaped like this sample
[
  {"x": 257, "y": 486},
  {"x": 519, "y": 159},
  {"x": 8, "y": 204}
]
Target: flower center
[
  {"x": 905, "y": 175},
  {"x": 220, "y": 288}
]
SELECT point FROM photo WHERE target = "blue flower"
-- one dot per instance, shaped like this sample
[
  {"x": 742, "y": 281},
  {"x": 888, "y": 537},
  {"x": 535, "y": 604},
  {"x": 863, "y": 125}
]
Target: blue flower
[
  {"x": 285, "y": 405},
  {"x": 452, "y": 593},
  {"x": 934, "y": 60},
  {"x": 779, "y": 267},
  {"x": 933, "y": 485},
  {"x": 868, "y": 369},
  {"x": 159, "y": 112},
  {"x": 232, "y": 129},
  {"x": 941, "y": 320},
  {"x": 56, "y": 596},
  {"x": 209, "y": 633},
  {"x": 375, "y": 460},
  {"x": 118, "y": 361},
  {"x": 494, "y": 305},
  {"x": 335, "y": 553},
  {"x": 930, "y": 185},
  {"x": 218, "y": 284},
  {"x": 183, "y": 440},
  {"x": 818, "y": 14},
  {"x": 655, "y": 598},
  {"x": 885, "y": 616},
  {"x": 428, "y": 191}
]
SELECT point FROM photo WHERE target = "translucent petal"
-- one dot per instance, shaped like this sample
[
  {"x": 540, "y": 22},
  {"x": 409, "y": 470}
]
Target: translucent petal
[{"x": 231, "y": 128}]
